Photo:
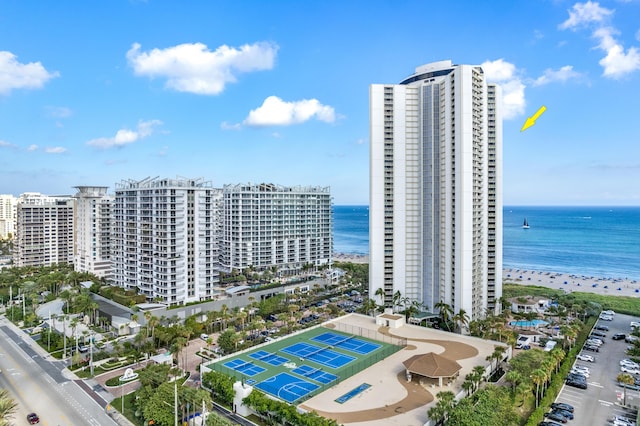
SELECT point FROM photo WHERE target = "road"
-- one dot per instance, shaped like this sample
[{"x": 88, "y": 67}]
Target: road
[{"x": 38, "y": 385}]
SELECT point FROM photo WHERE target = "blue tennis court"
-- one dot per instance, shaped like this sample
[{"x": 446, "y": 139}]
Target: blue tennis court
[
  {"x": 269, "y": 358},
  {"x": 315, "y": 374},
  {"x": 244, "y": 367},
  {"x": 324, "y": 356},
  {"x": 287, "y": 387},
  {"x": 349, "y": 343}
]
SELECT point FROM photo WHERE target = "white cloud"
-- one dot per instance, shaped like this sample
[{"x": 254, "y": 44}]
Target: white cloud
[
  {"x": 585, "y": 13},
  {"x": 55, "y": 150},
  {"x": 59, "y": 112},
  {"x": 193, "y": 68},
  {"x": 616, "y": 63},
  {"x": 126, "y": 136},
  {"x": 32, "y": 147},
  {"x": 14, "y": 75},
  {"x": 276, "y": 112},
  {"x": 228, "y": 126},
  {"x": 506, "y": 75},
  {"x": 563, "y": 74}
]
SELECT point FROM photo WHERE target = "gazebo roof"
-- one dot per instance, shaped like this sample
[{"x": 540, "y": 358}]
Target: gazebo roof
[{"x": 432, "y": 365}]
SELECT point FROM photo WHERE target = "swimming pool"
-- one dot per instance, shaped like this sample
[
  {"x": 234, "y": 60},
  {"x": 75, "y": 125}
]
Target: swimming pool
[{"x": 532, "y": 323}]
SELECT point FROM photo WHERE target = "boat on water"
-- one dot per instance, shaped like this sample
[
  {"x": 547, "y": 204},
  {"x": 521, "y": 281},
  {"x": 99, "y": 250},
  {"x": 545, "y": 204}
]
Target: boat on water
[{"x": 525, "y": 225}]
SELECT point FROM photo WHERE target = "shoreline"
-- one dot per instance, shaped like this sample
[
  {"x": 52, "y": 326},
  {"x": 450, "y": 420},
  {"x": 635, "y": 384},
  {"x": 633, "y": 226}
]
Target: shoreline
[
  {"x": 573, "y": 282},
  {"x": 612, "y": 286}
]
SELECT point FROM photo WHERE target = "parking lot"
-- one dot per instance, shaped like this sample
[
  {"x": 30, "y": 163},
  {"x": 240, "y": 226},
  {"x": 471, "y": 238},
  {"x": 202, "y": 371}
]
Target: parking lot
[{"x": 598, "y": 404}]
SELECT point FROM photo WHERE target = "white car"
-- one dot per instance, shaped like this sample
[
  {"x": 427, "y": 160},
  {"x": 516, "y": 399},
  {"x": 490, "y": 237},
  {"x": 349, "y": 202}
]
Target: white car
[
  {"x": 622, "y": 421},
  {"x": 580, "y": 372},
  {"x": 635, "y": 324},
  {"x": 585, "y": 357},
  {"x": 628, "y": 363},
  {"x": 610, "y": 313},
  {"x": 580, "y": 368},
  {"x": 606, "y": 317},
  {"x": 629, "y": 370},
  {"x": 594, "y": 342}
]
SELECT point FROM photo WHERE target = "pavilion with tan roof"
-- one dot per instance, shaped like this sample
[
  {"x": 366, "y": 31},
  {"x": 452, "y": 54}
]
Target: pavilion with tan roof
[{"x": 433, "y": 366}]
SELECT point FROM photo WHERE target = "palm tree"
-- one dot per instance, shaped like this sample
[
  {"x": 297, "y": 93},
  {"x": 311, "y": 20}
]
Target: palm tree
[
  {"x": 558, "y": 355},
  {"x": 538, "y": 377},
  {"x": 396, "y": 299},
  {"x": 369, "y": 306},
  {"x": 445, "y": 312},
  {"x": 478, "y": 373},
  {"x": 523, "y": 388},
  {"x": 380, "y": 293},
  {"x": 461, "y": 319},
  {"x": 513, "y": 377},
  {"x": 467, "y": 385},
  {"x": 8, "y": 408},
  {"x": 625, "y": 379}
]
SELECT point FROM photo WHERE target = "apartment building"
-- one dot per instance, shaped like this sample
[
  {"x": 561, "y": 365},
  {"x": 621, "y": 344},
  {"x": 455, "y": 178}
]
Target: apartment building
[
  {"x": 266, "y": 225},
  {"x": 436, "y": 189},
  {"x": 44, "y": 230},
  {"x": 93, "y": 221},
  {"x": 164, "y": 241},
  {"x": 7, "y": 216}
]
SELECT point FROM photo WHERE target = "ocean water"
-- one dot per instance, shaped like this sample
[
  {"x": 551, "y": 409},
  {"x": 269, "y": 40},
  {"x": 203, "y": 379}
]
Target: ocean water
[
  {"x": 592, "y": 241},
  {"x": 351, "y": 229}
]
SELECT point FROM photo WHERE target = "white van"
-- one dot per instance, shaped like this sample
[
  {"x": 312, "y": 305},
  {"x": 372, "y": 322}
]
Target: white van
[{"x": 204, "y": 336}]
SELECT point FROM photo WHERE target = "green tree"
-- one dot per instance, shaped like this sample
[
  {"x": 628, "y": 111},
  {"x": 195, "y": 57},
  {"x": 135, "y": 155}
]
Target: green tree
[
  {"x": 625, "y": 379},
  {"x": 8, "y": 408}
]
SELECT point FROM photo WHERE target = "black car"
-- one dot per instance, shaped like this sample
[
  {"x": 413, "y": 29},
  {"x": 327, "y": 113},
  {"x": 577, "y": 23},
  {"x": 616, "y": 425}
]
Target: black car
[
  {"x": 577, "y": 384},
  {"x": 598, "y": 333},
  {"x": 591, "y": 348},
  {"x": 33, "y": 418},
  {"x": 576, "y": 378},
  {"x": 566, "y": 414},
  {"x": 601, "y": 327},
  {"x": 562, "y": 406},
  {"x": 556, "y": 417},
  {"x": 619, "y": 336}
]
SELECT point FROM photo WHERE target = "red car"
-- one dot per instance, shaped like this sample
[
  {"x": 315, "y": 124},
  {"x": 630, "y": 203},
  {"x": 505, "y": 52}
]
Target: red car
[{"x": 33, "y": 418}]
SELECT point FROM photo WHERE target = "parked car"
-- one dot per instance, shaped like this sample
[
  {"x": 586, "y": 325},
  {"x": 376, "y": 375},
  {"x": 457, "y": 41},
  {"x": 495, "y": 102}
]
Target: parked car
[
  {"x": 585, "y": 357},
  {"x": 622, "y": 421},
  {"x": 33, "y": 418},
  {"x": 606, "y": 317},
  {"x": 556, "y": 417},
  {"x": 629, "y": 370},
  {"x": 577, "y": 384},
  {"x": 546, "y": 423},
  {"x": 630, "y": 338},
  {"x": 601, "y": 327},
  {"x": 598, "y": 334},
  {"x": 591, "y": 348},
  {"x": 609, "y": 312},
  {"x": 562, "y": 406},
  {"x": 629, "y": 363},
  {"x": 618, "y": 336},
  {"x": 630, "y": 386},
  {"x": 580, "y": 369},
  {"x": 563, "y": 413},
  {"x": 634, "y": 324}
]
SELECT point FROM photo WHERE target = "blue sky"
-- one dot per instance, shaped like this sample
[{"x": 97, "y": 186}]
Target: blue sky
[{"x": 93, "y": 93}]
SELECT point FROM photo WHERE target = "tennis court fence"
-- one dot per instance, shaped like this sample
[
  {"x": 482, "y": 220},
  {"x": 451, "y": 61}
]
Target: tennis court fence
[{"x": 370, "y": 334}]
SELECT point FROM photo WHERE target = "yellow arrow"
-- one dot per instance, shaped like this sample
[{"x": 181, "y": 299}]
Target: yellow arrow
[{"x": 532, "y": 120}]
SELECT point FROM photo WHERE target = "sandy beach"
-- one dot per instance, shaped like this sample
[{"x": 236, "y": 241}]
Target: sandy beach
[
  {"x": 571, "y": 282},
  {"x": 349, "y": 257}
]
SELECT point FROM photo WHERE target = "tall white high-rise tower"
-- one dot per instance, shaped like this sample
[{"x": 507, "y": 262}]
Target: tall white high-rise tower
[
  {"x": 93, "y": 222},
  {"x": 436, "y": 189}
]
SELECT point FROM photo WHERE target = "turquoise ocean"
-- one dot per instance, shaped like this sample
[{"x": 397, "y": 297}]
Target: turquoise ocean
[{"x": 592, "y": 241}]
